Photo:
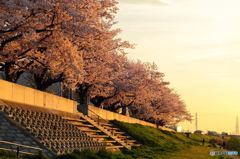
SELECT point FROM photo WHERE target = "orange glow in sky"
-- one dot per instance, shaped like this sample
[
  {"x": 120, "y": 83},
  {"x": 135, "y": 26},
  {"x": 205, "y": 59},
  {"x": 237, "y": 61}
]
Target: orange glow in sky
[{"x": 196, "y": 43}]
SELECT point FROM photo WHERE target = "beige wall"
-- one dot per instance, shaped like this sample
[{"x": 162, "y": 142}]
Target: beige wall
[
  {"x": 107, "y": 115},
  {"x": 25, "y": 95}
]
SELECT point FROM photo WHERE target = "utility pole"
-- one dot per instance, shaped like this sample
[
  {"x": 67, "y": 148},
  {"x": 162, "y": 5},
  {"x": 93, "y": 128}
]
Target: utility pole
[
  {"x": 196, "y": 121},
  {"x": 237, "y": 126}
]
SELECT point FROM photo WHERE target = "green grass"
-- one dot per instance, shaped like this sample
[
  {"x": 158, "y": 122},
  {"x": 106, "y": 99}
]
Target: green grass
[
  {"x": 157, "y": 144},
  {"x": 196, "y": 152},
  {"x": 159, "y": 138},
  {"x": 12, "y": 155},
  {"x": 163, "y": 144}
]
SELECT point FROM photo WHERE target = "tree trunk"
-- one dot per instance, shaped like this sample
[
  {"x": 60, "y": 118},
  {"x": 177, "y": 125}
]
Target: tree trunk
[
  {"x": 126, "y": 108},
  {"x": 40, "y": 84},
  {"x": 84, "y": 98},
  {"x": 9, "y": 75}
]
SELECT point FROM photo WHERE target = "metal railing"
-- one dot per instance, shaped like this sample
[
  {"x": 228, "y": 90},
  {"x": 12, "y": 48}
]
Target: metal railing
[
  {"x": 100, "y": 122},
  {"x": 99, "y": 119},
  {"x": 18, "y": 148}
]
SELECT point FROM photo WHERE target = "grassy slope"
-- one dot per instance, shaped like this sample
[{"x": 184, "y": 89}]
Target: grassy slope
[
  {"x": 12, "y": 155},
  {"x": 163, "y": 144},
  {"x": 196, "y": 152}
]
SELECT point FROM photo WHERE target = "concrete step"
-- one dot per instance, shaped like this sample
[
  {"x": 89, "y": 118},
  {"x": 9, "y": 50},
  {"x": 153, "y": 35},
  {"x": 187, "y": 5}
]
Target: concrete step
[
  {"x": 78, "y": 123},
  {"x": 74, "y": 119},
  {"x": 100, "y": 139},
  {"x": 99, "y": 136},
  {"x": 110, "y": 128},
  {"x": 90, "y": 130},
  {"x": 123, "y": 137},
  {"x": 82, "y": 125},
  {"x": 108, "y": 144},
  {"x": 119, "y": 132},
  {"x": 106, "y": 131},
  {"x": 130, "y": 141},
  {"x": 109, "y": 141},
  {"x": 106, "y": 124}
]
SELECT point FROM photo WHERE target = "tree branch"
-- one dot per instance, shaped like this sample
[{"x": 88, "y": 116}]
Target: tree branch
[
  {"x": 6, "y": 41},
  {"x": 18, "y": 25}
]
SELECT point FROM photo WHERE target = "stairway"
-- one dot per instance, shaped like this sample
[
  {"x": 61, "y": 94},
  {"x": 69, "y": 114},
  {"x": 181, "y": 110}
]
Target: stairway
[{"x": 103, "y": 131}]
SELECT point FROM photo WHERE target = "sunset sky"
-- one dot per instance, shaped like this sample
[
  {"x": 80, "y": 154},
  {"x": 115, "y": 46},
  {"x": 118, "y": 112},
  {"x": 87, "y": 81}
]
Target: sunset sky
[{"x": 196, "y": 43}]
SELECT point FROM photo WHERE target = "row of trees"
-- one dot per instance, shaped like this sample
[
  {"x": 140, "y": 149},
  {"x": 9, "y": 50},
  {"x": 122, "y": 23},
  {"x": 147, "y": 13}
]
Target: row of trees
[{"x": 75, "y": 43}]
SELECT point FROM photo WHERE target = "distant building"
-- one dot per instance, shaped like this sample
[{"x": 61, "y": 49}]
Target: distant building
[
  {"x": 212, "y": 133},
  {"x": 176, "y": 128},
  {"x": 199, "y": 132},
  {"x": 179, "y": 128},
  {"x": 224, "y": 134}
]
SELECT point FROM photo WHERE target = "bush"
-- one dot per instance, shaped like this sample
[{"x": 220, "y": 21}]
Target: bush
[
  {"x": 12, "y": 155},
  {"x": 94, "y": 155},
  {"x": 233, "y": 144},
  {"x": 215, "y": 142}
]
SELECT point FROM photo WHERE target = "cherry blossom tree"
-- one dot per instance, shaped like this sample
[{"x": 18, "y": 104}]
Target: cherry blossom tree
[
  {"x": 101, "y": 49},
  {"x": 76, "y": 43},
  {"x": 33, "y": 38}
]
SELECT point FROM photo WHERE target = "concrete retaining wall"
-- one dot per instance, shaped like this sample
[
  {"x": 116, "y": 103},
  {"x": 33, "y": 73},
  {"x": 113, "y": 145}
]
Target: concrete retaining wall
[
  {"x": 107, "y": 115},
  {"x": 25, "y": 95}
]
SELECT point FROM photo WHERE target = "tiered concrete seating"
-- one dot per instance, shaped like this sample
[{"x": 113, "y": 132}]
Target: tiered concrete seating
[{"x": 51, "y": 130}]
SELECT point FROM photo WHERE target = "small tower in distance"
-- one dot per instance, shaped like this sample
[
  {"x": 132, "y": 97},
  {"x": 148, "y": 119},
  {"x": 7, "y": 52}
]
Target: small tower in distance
[
  {"x": 196, "y": 121},
  {"x": 237, "y": 126}
]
